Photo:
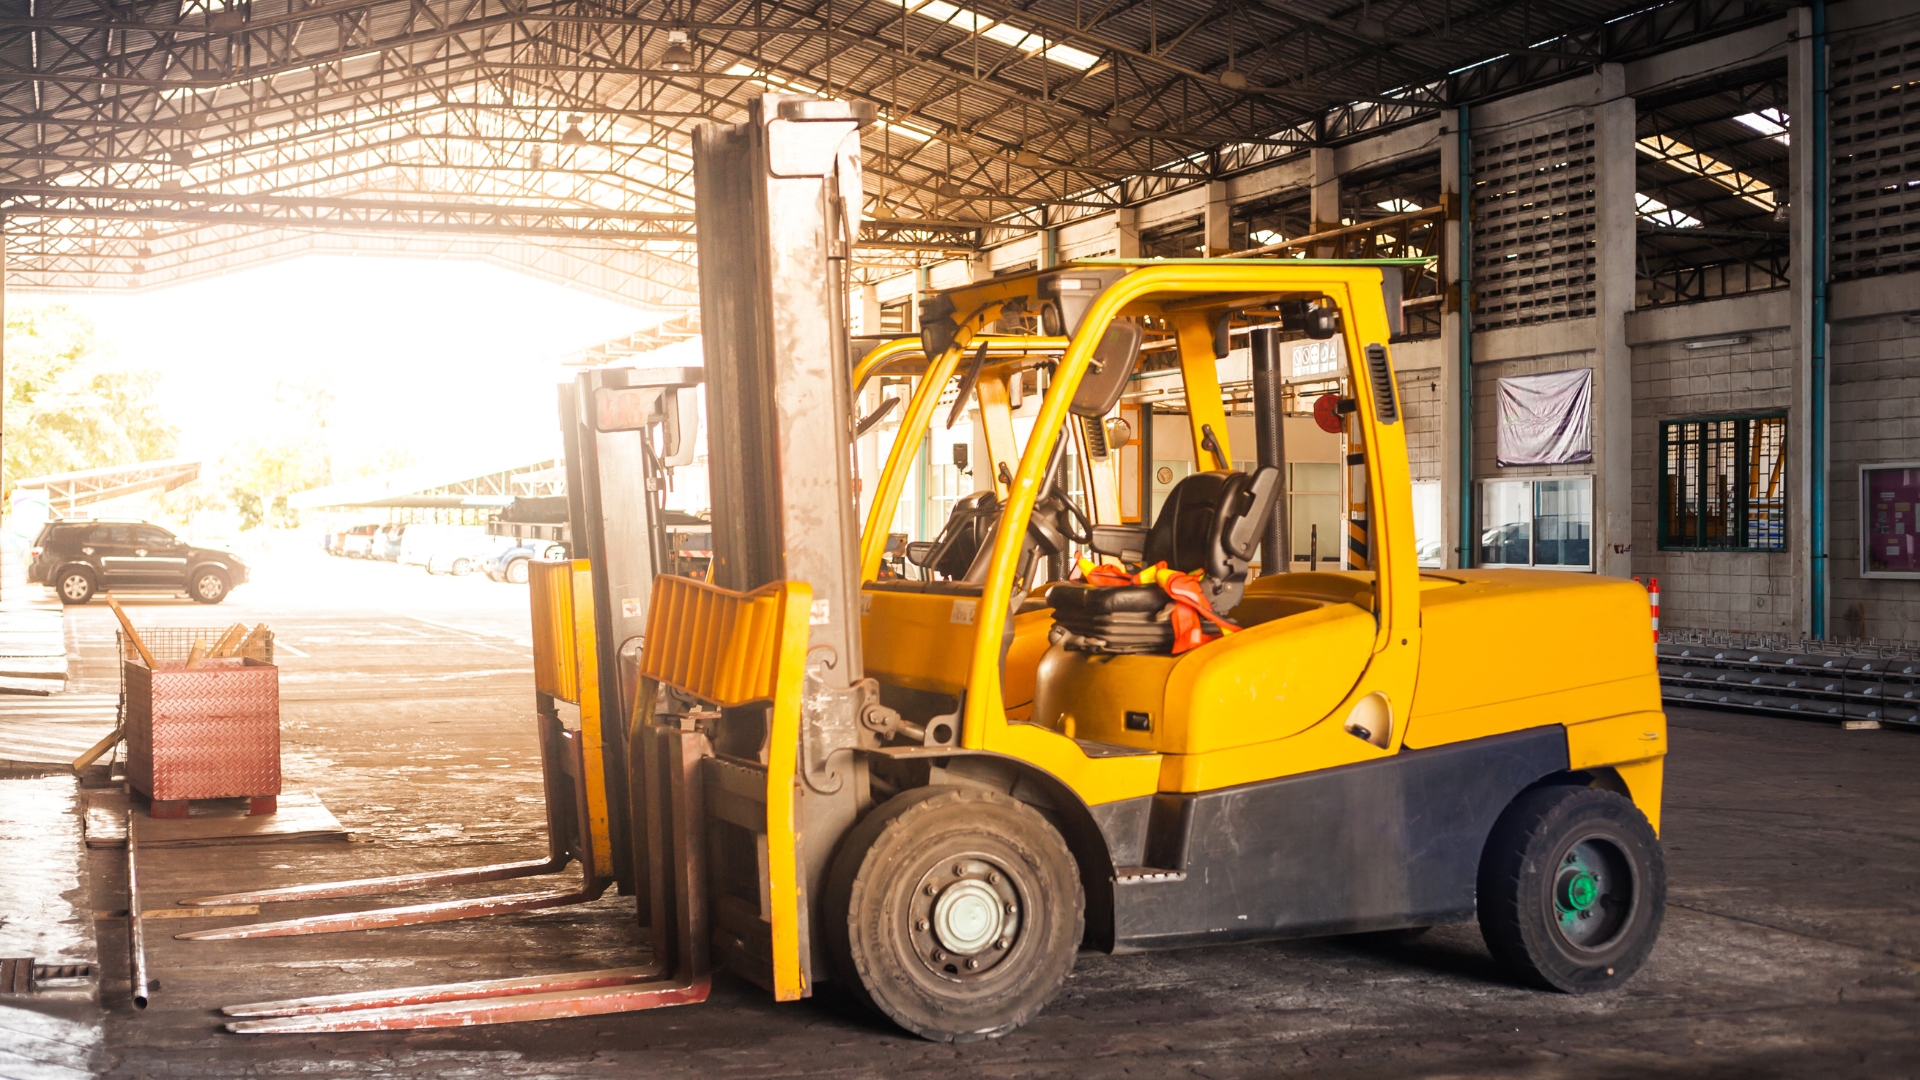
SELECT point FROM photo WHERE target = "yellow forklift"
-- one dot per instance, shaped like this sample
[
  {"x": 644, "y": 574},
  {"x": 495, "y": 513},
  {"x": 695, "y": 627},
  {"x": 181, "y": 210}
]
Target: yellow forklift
[{"x": 833, "y": 776}]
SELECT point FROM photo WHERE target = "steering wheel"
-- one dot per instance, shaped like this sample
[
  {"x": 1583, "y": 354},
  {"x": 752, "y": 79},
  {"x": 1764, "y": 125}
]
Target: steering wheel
[{"x": 1074, "y": 515}]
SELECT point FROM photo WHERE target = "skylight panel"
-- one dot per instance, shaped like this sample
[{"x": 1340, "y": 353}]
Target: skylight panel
[
  {"x": 1688, "y": 160},
  {"x": 1004, "y": 33},
  {"x": 1399, "y": 206},
  {"x": 1660, "y": 213},
  {"x": 1769, "y": 122}
]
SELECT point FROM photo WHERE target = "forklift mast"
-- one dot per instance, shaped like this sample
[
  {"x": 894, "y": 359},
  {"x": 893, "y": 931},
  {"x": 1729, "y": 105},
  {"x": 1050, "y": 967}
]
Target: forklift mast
[{"x": 777, "y": 206}]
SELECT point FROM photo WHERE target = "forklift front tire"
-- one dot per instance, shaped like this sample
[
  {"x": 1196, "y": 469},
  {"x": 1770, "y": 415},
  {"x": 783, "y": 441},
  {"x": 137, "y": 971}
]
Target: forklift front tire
[
  {"x": 956, "y": 912},
  {"x": 1573, "y": 889}
]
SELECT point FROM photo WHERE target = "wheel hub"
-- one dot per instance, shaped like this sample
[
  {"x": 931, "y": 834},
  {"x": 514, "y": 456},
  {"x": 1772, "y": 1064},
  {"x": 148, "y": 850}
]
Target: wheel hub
[
  {"x": 1592, "y": 894},
  {"x": 965, "y": 918}
]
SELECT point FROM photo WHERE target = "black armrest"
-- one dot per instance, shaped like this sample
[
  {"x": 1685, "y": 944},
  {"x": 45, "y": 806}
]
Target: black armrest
[
  {"x": 918, "y": 551},
  {"x": 1128, "y": 542}
]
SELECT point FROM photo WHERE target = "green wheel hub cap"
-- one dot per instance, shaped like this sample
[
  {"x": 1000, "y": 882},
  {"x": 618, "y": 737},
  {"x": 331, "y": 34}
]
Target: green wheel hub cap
[{"x": 1593, "y": 893}]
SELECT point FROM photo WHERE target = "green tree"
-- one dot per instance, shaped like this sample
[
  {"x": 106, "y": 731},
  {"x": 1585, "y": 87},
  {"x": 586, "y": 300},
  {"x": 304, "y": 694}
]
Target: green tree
[
  {"x": 259, "y": 476},
  {"x": 70, "y": 404}
]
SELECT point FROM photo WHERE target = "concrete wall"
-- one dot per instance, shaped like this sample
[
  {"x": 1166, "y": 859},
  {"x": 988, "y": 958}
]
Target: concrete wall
[
  {"x": 1875, "y": 348},
  {"x": 1723, "y": 590}
]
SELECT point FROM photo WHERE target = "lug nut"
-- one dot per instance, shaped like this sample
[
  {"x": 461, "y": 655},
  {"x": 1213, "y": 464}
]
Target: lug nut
[
  {"x": 1002, "y": 944},
  {"x": 993, "y": 879},
  {"x": 1010, "y": 907},
  {"x": 959, "y": 869},
  {"x": 931, "y": 891},
  {"x": 921, "y": 926},
  {"x": 972, "y": 964},
  {"x": 939, "y": 955}
]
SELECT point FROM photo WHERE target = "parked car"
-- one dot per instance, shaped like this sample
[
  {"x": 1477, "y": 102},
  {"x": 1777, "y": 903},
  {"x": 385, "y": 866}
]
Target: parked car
[
  {"x": 448, "y": 549},
  {"x": 78, "y": 558},
  {"x": 510, "y": 564},
  {"x": 388, "y": 541},
  {"x": 357, "y": 542}
]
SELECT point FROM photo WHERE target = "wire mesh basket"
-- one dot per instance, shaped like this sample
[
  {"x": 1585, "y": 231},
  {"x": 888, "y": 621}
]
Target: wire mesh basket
[{"x": 175, "y": 643}]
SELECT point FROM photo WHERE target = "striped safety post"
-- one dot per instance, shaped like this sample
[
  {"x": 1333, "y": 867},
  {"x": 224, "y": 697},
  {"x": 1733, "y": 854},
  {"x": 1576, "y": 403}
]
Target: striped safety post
[{"x": 1653, "y": 598}]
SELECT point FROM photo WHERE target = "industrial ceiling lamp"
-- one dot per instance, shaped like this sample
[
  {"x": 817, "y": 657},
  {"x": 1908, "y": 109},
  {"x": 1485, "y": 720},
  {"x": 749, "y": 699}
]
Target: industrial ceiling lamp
[
  {"x": 573, "y": 135},
  {"x": 1370, "y": 26},
  {"x": 679, "y": 56}
]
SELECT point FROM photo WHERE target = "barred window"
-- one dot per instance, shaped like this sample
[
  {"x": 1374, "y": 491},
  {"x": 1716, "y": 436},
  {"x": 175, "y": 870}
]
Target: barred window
[{"x": 1724, "y": 485}]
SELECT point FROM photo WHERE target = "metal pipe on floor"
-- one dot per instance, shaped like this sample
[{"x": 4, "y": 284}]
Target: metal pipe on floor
[{"x": 136, "y": 932}]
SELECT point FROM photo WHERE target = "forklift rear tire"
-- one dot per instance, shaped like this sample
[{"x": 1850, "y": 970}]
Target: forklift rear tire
[
  {"x": 956, "y": 912},
  {"x": 1573, "y": 888}
]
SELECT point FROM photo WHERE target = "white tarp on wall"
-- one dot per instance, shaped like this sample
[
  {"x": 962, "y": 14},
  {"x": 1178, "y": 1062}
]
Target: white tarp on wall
[{"x": 1546, "y": 419}]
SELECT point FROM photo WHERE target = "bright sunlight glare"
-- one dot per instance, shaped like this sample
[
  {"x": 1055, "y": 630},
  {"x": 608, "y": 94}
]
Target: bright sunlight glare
[{"x": 426, "y": 360}]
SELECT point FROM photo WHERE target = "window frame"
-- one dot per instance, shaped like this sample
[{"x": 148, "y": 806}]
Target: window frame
[
  {"x": 1740, "y": 513},
  {"x": 1533, "y": 529}
]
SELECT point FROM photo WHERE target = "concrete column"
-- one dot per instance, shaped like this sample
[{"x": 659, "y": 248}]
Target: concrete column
[
  {"x": 1324, "y": 197},
  {"x": 1050, "y": 249},
  {"x": 921, "y": 287},
  {"x": 869, "y": 309},
  {"x": 1614, "y": 240},
  {"x": 1126, "y": 223},
  {"x": 977, "y": 268},
  {"x": 1219, "y": 238},
  {"x": 1802, "y": 79},
  {"x": 1450, "y": 316}
]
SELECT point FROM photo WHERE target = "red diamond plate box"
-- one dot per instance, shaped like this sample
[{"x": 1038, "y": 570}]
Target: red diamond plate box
[{"x": 209, "y": 733}]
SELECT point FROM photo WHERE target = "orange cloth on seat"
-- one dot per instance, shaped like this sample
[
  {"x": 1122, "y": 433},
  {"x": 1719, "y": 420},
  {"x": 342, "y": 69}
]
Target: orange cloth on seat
[{"x": 1190, "y": 604}]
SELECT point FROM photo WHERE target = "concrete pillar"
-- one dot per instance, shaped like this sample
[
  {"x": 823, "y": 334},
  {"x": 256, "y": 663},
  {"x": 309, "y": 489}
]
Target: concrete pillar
[
  {"x": 1324, "y": 197},
  {"x": 869, "y": 309},
  {"x": 1050, "y": 248},
  {"x": 1219, "y": 237},
  {"x": 1801, "y": 158},
  {"x": 1126, "y": 223},
  {"x": 1450, "y": 316},
  {"x": 922, "y": 285},
  {"x": 977, "y": 268},
  {"x": 1614, "y": 241}
]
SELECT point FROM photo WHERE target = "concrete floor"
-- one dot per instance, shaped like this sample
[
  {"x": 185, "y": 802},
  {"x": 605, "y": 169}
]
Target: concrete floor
[{"x": 1792, "y": 942}]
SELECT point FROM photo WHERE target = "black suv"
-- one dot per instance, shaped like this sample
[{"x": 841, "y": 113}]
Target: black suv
[{"x": 78, "y": 558}]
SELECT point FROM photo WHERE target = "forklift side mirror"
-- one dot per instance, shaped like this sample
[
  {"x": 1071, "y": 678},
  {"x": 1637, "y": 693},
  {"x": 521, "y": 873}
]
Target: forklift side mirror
[
  {"x": 1113, "y": 362},
  {"x": 1322, "y": 323},
  {"x": 960, "y": 456}
]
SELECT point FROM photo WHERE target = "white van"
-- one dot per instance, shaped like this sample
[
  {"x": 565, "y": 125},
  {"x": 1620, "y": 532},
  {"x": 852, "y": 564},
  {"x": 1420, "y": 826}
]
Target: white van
[{"x": 447, "y": 549}]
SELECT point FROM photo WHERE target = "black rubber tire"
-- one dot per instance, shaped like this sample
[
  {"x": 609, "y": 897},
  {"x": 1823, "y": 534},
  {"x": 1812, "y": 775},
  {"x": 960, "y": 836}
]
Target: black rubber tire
[
  {"x": 516, "y": 572},
  {"x": 1540, "y": 845},
  {"x": 208, "y": 585},
  {"x": 461, "y": 567},
  {"x": 74, "y": 585},
  {"x": 879, "y": 938}
]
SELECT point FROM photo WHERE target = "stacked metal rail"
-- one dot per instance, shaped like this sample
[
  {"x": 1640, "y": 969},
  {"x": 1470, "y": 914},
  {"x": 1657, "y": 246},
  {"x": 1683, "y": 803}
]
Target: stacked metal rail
[{"x": 1832, "y": 680}]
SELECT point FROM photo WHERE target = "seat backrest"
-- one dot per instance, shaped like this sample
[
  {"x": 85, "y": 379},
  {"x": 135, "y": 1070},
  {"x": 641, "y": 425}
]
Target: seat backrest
[
  {"x": 1183, "y": 533},
  {"x": 1212, "y": 521},
  {"x": 969, "y": 528}
]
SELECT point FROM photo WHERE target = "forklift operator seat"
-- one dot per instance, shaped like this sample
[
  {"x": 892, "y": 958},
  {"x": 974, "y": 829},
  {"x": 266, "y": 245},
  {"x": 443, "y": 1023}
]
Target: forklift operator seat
[{"x": 1211, "y": 521}]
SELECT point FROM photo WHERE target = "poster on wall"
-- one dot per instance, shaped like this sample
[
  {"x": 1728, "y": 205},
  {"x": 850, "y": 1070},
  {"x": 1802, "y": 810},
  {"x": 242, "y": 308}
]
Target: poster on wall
[
  {"x": 1546, "y": 419},
  {"x": 1890, "y": 524}
]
